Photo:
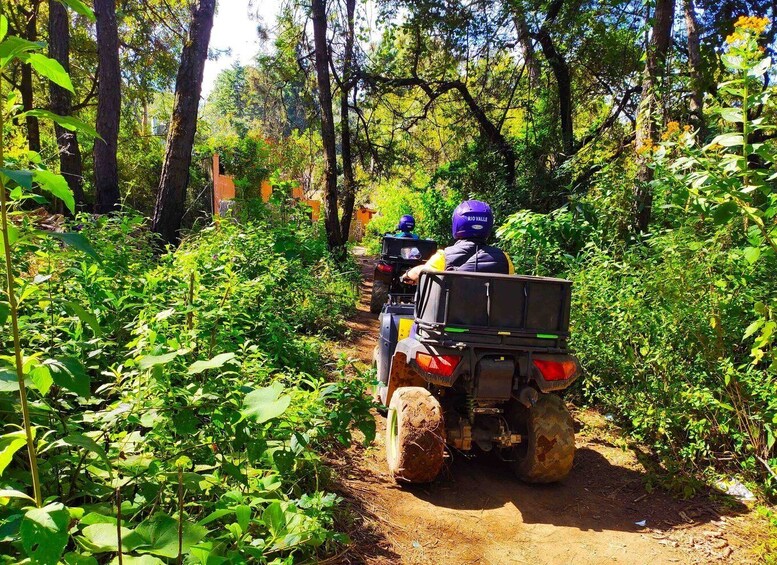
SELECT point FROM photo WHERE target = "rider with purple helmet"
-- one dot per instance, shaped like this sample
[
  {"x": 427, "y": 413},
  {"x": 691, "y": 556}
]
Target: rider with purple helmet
[
  {"x": 472, "y": 223},
  {"x": 406, "y": 226}
]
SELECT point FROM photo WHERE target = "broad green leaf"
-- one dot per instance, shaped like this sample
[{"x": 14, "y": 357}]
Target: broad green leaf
[
  {"x": 751, "y": 254},
  {"x": 724, "y": 212},
  {"x": 160, "y": 535},
  {"x": 243, "y": 515},
  {"x": 3, "y": 26},
  {"x": 57, "y": 186},
  {"x": 139, "y": 560},
  {"x": 761, "y": 68},
  {"x": 274, "y": 518},
  {"x": 13, "y": 46},
  {"x": 9, "y": 382},
  {"x": 153, "y": 360},
  {"x": 368, "y": 428},
  {"x": 41, "y": 378},
  {"x": 10, "y": 443},
  {"x": 103, "y": 538},
  {"x": 78, "y": 559},
  {"x": 70, "y": 374},
  {"x": 733, "y": 62},
  {"x": 9, "y": 493},
  {"x": 727, "y": 140},
  {"x": 87, "y": 443},
  {"x": 13, "y": 237},
  {"x": 215, "y": 515},
  {"x": 265, "y": 403},
  {"x": 74, "y": 240},
  {"x": 96, "y": 518},
  {"x": 44, "y": 533},
  {"x": 68, "y": 122},
  {"x": 753, "y": 327},
  {"x": 49, "y": 68},
  {"x": 215, "y": 363},
  {"x": 21, "y": 178},
  {"x": 204, "y": 554},
  {"x": 79, "y": 8},
  {"x": 731, "y": 115},
  {"x": 164, "y": 314},
  {"x": 5, "y": 312},
  {"x": 85, "y": 316}
]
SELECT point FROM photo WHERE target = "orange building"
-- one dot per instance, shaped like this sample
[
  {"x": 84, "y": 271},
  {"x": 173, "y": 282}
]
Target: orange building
[
  {"x": 223, "y": 186},
  {"x": 362, "y": 216},
  {"x": 224, "y": 191}
]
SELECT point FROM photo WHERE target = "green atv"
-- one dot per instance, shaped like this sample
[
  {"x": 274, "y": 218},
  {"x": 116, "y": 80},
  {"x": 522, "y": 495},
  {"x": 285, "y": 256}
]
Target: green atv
[{"x": 475, "y": 365}]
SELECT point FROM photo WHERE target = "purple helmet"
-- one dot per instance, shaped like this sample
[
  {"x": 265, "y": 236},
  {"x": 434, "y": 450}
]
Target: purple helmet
[
  {"x": 472, "y": 219},
  {"x": 406, "y": 223}
]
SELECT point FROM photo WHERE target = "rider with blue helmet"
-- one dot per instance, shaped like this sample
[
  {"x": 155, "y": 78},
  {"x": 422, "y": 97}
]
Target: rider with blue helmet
[
  {"x": 406, "y": 226},
  {"x": 472, "y": 223}
]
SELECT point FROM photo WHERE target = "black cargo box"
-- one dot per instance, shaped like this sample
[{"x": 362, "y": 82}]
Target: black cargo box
[
  {"x": 491, "y": 304},
  {"x": 408, "y": 248}
]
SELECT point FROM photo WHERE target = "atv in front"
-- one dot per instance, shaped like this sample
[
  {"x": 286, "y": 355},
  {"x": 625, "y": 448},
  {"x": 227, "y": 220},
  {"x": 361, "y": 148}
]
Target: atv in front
[
  {"x": 477, "y": 363},
  {"x": 397, "y": 256}
]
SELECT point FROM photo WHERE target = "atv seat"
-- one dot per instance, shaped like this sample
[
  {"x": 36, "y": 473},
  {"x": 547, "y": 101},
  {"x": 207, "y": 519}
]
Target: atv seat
[{"x": 489, "y": 308}]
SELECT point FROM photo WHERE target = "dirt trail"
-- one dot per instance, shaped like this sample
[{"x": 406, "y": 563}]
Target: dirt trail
[{"x": 477, "y": 513}]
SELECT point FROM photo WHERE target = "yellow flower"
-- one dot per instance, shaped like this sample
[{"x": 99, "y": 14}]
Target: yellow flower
[
  {"x": 671, "y": 129},
  {"x": 687, "y": 128},
  {"x": 751, "y": 23},
  {"x": 734, "y": 38},
  {"x": 647, "y": 147}
]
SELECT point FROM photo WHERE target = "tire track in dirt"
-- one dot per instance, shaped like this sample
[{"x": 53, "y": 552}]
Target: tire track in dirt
[{"x": 478, "y": 513}]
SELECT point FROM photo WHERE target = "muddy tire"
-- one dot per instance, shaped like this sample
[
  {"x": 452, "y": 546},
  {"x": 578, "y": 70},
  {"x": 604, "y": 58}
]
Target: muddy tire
[
  {"x": 414, "y": 435},
  {"x": 548, "y": 452},
  {"x": 379, "y": 297}
]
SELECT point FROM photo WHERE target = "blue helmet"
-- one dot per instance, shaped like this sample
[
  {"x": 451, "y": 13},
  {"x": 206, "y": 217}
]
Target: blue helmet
[
  {"x": 406, "y": 223},
  {"x": 472, "y": 219}
]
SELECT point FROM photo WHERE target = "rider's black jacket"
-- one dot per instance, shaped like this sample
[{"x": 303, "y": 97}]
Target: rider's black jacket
[{"x": 474, "y": 256}]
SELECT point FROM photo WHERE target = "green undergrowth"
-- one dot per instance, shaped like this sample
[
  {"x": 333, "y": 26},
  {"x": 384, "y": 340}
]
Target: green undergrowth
[
  {"x": 180, "y": 402},
  {"x": 676, "y": 328}
]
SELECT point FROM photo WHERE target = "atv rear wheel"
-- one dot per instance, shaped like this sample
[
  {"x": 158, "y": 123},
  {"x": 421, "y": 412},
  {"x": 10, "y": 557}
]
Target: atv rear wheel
[
  {"x": 379, "y": 297},
  {"x": 414, "y": 435},
  {"x": 548, "y": 450}
]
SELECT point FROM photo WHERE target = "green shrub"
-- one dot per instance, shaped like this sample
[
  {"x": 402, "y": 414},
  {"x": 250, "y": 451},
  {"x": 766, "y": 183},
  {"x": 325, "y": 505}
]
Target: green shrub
[
  {"x": 193, "y": 382},
  {"x": 676, "y": 330}
]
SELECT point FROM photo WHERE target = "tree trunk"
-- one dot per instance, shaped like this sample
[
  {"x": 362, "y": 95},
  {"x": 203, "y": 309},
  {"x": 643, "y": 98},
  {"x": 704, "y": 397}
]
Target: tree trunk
[
  {"x": 169, "y": 208},
  {"x": 106, "y": 172},
  {"x": 334, "y": 235},
  {"x": 348, "y": 86},
  {"x": 648, "y": 118},
  {"x": 525, "y": 44},
  {"x": 61, "y": 102},
  {"x": 695, "y": 64},
  {"x": 560, "y": 70},
  {"x": 26, "y": 85},
  {"x": 491, "y": 132}
]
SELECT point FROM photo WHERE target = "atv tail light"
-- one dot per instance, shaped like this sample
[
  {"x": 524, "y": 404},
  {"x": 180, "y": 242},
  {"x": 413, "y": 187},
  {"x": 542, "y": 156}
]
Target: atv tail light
[
  {"x": 556, "y": 370},
  {"x": 442, "y": 365},
  {"x": 384, "y": 268}
]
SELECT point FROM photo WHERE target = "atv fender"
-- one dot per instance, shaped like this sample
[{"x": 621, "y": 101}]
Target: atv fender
[{"x": 401, "y": 372}]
